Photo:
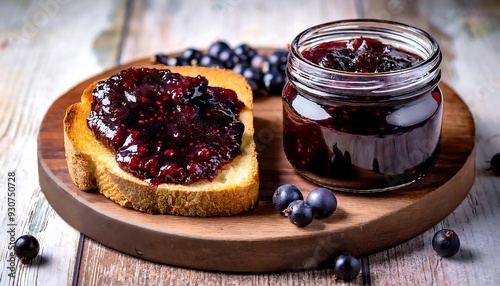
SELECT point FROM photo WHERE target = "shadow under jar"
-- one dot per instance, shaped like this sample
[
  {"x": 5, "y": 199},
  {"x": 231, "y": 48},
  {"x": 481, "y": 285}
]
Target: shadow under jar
[{"x": 362, "y": 110}]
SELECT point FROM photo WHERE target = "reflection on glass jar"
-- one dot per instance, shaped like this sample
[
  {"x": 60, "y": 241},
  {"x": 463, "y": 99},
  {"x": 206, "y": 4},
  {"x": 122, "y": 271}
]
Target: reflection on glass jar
[{"x": 362, "y": 130}]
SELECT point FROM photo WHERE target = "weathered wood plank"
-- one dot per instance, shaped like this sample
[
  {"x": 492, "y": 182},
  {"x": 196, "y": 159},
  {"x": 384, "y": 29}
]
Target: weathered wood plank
[
  {"x": 465, "y": 32},
  {"x": 108, "y": 267},
  {"x": 45, "y": 48}
]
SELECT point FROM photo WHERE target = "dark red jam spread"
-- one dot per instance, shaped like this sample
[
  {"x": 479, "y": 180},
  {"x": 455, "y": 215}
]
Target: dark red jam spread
[
  {"x": 360, "y": 55},
  {"x": 166, "y": 127},
  {"x": 361, "y": 147}
]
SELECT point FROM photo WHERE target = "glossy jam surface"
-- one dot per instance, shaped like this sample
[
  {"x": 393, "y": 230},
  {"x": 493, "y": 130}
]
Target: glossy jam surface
[
  {"x": 361, "y": 147},
  {"x": 165, "y": 127},
  {"x": 360, "y": 55}
]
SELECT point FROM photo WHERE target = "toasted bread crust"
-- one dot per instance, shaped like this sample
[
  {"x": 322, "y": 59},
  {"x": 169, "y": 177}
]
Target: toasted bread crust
[{"x": 92, "y": 166}]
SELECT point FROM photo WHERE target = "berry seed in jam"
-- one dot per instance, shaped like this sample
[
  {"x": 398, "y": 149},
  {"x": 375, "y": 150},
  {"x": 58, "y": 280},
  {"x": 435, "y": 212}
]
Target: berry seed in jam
[
  {"x": 362, "y": 110},
  {"x": 165, "y": 127}
]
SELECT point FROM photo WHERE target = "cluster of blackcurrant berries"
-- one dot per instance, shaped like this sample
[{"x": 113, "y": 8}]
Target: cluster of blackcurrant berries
[
  {"x": 262, "y": 71},
  {"x": 288, "y": 200}
]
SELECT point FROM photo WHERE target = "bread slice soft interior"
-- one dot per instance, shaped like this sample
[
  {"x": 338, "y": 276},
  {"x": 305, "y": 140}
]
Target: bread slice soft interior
[{"x": 93, "y": 166}]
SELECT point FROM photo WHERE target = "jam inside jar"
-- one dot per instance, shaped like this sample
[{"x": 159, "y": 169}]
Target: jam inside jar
[{"x": 362, "y": 110}]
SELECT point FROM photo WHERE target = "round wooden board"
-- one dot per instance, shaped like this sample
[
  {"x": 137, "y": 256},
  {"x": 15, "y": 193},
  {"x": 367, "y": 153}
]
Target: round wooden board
[{"x": 262, "y": 240}]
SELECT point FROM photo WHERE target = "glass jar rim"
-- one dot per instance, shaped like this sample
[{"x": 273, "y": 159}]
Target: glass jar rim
[
  {"x": 389, "y": 24},
  {"x": 421, "y": 41}
]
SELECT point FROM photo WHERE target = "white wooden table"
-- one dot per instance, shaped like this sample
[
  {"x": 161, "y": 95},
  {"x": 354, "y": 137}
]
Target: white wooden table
[{"x": 48, "y": 46}]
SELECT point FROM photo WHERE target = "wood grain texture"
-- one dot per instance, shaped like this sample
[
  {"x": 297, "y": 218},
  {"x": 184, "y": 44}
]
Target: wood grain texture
[
  {"x": 388, "y": 219},
  {"x": 43, "y": 52},
  {"x": 104, "y": 266},
  {"x": 464, "y": 31},
  {"x": 63, "y": 51}
]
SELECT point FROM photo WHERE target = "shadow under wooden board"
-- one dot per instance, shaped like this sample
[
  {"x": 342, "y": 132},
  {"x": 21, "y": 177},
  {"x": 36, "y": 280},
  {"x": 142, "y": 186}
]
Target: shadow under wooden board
[{"x": 262, "y": 240}]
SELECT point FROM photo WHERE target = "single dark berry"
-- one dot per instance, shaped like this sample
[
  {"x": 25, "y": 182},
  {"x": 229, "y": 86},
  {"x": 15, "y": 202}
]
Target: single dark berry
[
  {"x": 228, "y": 58},
  {"x": 253, "y": 76},
  {"x": 278, "y": 60},
  {"x": 284, "y": 195},
  {"x": 446, "y": 243},
  {"x": 26, "y": 248},
  {"x": 250, "y": 73},
  {"x": 346, "y": 267},
  {"x": 161, "y": 59},
  {"x": 216, "y": 48},
  {"x": 240, "y": 67},
  {"x": 274, "y": 81},
  {"x": 192, "y": 56},
  {"x": 260, "y": 62},
  {"x": 245, "y": 53},
  {"x": 323, "y": 202},
  {"x": 495, "y": 164},
  {"x": 299, "y": 213}
]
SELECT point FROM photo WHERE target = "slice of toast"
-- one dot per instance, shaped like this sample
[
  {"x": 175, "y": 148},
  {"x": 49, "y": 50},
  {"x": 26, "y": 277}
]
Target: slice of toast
[{"x": 234, "y": 190}]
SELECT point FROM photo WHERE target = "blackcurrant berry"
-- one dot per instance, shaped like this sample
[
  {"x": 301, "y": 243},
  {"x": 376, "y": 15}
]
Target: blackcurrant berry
[
  {"x": 278, "y": 60},
  {"x": 26, "y": 248},
  {"x": 161, "y": 59},
  {"x": 228, "y": 58},
  {"x": 323, "y": 201},
  {"x": 495, "y": 164},
  {"x": 346, "y": 267},
  {"x": 274, "y": 81},
  {"x": 260, "y": 62},
  {"x": 238, "y": 68},
  {"x": 191, "y": 56},
  {"x": 299, "y": 213},
  {"x": 284, "y": 195},
  {"x": 252, "y": 74},
  {"x": 245, "y": 53},
  {"x": 216, "y": 48},
  {"x": 446, "y": 243}
]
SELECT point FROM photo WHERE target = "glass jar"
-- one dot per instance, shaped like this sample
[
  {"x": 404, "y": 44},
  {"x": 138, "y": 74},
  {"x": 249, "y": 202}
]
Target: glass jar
[{"x": 363, "y": 131}]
